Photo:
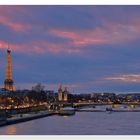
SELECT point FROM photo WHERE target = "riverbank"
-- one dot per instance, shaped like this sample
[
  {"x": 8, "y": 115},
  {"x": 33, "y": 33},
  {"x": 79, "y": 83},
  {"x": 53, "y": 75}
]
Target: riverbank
[
  {"x": 18, "y": 118},
  {"x": 104, "y": 110}
]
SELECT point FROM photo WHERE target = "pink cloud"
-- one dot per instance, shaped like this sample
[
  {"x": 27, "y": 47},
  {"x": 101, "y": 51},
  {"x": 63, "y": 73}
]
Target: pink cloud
[
  {"x": 79, "y": 38},
  {"x": 76, "y": 42},
  {"x": 110, "y": 33},
  {"x": 40, "y": 47},
  {"x": 6, "y": 19},
  {"x": 19, "y": 27},
  {"x": 134, "y": 78},
  {"x": 16, "y": 26}
]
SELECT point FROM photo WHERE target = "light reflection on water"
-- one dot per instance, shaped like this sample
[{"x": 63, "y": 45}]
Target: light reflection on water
[
  {"x": 65, "y": 117},
  {"x": 11, "y": 130},
  {"x": 82, "y": 123}
]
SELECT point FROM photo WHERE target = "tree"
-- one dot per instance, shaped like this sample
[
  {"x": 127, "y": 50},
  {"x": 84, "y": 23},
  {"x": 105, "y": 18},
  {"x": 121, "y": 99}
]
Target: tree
[{"x": 38, "y": 88}]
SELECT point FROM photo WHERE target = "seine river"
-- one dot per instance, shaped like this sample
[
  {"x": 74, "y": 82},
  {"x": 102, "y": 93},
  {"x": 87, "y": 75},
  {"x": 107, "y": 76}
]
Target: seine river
[{"x": 82, "y": 123}]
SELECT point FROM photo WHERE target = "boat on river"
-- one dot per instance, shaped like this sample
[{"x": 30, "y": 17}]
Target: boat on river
[
  {"x": 67, "y": 111},
  {"x": 109, "y": 109}
]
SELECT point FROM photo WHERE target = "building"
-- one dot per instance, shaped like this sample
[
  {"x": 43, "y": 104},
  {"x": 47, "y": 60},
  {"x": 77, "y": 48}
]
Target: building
[
  {"x": 60, "y": 96},
  {"x": 65, "y": 94},
  {"x": 9, "y": 83}
]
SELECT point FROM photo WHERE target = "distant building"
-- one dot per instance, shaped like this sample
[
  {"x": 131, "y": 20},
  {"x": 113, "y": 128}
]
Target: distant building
[
  {"x": 60, "y": 97},
  {"x": 3, "y": 91},
  {"x": 65, "y": 94}
]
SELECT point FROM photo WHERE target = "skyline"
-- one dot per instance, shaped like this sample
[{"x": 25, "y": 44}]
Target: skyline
[{"x": 86, "y": 48}]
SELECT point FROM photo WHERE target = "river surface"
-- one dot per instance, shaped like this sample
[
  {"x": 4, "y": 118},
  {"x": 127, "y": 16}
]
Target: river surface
[{"x": 82, "y": 123}]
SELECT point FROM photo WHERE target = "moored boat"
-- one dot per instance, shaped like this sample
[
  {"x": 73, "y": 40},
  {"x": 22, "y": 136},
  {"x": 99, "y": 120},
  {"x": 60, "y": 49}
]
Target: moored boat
[
  {"x": 108, "y": 109},
  {"x": 67, "y": 111}
]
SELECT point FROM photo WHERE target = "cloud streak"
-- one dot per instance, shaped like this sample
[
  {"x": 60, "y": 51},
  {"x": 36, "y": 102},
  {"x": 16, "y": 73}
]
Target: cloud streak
[
  {"x": 111, "y": 33},
  {"x": 6, "y": 19},
  {"x": 41, "y": 47},
  {"x": 132, "y": 78}
]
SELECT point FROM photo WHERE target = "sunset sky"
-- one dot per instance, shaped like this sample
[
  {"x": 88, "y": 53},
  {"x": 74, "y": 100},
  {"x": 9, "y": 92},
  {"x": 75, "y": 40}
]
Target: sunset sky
[{"x": 86, "y": 48}]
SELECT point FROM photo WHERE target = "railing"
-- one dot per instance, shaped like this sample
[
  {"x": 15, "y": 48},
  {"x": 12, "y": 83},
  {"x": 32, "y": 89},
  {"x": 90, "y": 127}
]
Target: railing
[{"x": 106, "y": 103}]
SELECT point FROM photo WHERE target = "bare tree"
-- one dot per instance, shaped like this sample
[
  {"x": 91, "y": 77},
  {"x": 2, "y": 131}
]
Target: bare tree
[{"x": 38, "y": 88}]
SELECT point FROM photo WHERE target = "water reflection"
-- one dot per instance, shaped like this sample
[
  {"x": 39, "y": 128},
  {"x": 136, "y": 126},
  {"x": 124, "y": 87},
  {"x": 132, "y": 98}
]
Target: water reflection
[
  {"x": 82, "y": 123},
  {"x": 65, "y": 117},
  {"x": 11, "y": 130}
]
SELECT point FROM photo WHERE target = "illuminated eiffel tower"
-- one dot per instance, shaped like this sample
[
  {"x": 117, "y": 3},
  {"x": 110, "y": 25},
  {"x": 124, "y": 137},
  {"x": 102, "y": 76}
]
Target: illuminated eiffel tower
[{"x": 8, "y": 83}]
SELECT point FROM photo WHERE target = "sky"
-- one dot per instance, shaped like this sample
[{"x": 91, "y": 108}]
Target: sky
[{"x": 86, "y": 48}]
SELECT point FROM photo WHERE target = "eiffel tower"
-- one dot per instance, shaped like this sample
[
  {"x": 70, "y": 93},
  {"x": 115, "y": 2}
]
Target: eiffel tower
[{"x": 8, "y": 83}]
